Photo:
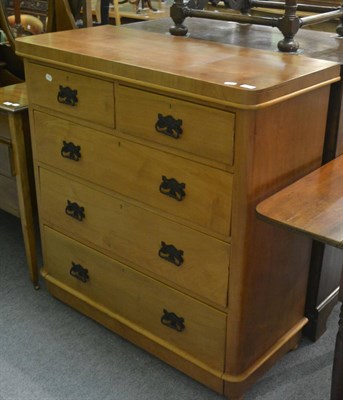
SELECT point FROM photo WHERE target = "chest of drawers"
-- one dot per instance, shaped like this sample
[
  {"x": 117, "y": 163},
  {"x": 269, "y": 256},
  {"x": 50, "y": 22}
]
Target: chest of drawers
[{"x": 148, "y": 172}]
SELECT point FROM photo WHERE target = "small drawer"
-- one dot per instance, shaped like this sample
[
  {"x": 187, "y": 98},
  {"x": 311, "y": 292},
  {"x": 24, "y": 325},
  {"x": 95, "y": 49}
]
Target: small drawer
[
  {"x": 193, "y": 261},
  {"x": 6, "y": 158},
  {"x": 191, "y": 191},
  {"x": 73, "y": 94},
  {"x": 204, "y": 131},
  {"x": 181, "y": 321}
]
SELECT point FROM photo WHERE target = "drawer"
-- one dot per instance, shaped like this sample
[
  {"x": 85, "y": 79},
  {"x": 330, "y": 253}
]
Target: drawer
[
  {"x": 73, "y": 94},
  {"x": 138, "y": 299},
  {"x": 193, "y": 261},
  {"x": 203, "y": 131},
  {"x": 183, "y": 188},
  {"x": 6, "y": 158}
]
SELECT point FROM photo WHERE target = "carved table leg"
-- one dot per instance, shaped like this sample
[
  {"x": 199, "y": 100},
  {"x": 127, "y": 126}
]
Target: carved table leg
[
  {"x": 337, "y": 371},
  {"x": 339, "y": 28},
  {"x": 289, "y": 26},
  {"x": 177, "y": 15}
]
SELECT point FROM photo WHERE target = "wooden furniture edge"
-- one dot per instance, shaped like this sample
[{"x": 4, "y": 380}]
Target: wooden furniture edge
[
  {"x": 298, "y": 230},
  {"x": 153, "y": 86},
  {"x": 287, "y": 220},
  {"x": 136, "y": 335},
  {"x": 189, "y": 365}
]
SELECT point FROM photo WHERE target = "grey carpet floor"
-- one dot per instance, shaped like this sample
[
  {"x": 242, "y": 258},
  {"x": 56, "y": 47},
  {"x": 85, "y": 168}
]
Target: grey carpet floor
[{"x": 48, "y": 351}]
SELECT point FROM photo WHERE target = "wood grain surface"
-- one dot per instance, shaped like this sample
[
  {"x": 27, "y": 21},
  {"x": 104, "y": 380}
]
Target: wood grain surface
[
  {"x": 213, "y": 70},
  {"x": 313, "y": 205}
]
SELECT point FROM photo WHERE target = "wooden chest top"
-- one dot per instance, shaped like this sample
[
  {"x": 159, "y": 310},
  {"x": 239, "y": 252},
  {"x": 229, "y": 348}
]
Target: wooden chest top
[{"x": 246, "y": 78}]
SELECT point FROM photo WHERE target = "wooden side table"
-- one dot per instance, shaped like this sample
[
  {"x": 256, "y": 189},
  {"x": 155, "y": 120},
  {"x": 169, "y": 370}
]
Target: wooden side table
[
  {"x": 16, "y": 176},
  {"x": 314, "y": 206}
]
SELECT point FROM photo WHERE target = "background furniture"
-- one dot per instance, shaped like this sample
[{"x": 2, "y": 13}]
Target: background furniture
[
  {"x": 314, "y": 206},
  {"x": 16, "y": 170},
  {"x": 63, "y": 14},
  {"x": 16, "y": 175},
  {"x": 30, "y": 17},
  {"x": 140, "y": 164},
  {"x": 101, "y": 9},
  {"x": 337, "y": 371},
  {"x": 128, "y": 11},
  {"x": 288, "y": 22}
]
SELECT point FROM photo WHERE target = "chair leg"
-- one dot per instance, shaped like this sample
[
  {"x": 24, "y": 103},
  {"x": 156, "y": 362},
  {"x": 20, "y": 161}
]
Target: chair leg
[
  {"x": 116, "y": 12},
  {"x": 97, "y": 11},
  {"x": 87, "y": 15}
]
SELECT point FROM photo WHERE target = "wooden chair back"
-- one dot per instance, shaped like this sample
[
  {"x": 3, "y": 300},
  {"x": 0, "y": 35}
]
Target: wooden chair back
[{"x": 62, "y": 14}]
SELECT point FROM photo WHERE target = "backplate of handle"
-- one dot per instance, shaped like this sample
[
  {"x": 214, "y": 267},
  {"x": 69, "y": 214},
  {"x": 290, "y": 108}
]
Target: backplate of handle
[
  {"x": 171, "y": 320},
  {"x": 169, "y": 126},
  {"x": 67, "y": 96},
  {"x": 71, "y": 151},
  {"x": 75, "y": 211},
  {"x": 172, "y": 188},
  {"x": 79, "y": 272}
]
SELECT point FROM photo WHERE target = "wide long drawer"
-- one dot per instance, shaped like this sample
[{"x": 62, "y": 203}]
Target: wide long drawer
[
  {"x": 191, "y": 128},
  {"x": 189, "y": 190},
  {"x": 181, "y": 321},
  {"x": 197, "y": 263},
  {"x": 73, "y": 94}
]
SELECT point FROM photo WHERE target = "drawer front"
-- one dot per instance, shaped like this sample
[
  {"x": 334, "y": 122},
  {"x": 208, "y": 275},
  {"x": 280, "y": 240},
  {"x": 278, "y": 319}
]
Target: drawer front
[
  {"x": 194, "y": 261},
  {"x": 195, "y": 129},
  {"x": 76, "y": 95},
  {"x": 138, "y": 299},
  {"x": 191, "y": 191},
  {"x": 6, "y": 158}
]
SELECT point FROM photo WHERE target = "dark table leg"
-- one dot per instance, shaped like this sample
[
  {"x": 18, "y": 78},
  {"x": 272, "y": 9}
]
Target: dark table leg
[{"x": 337, "y": 371}]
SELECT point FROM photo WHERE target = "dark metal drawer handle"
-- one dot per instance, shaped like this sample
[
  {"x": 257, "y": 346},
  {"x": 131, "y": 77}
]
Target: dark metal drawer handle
[
  {"x": 67, "y": 96},
  {"x": 171, "y": 253},
  {"x": 173, "y": 321},
  {"x": 78, "y": 272},
  {"x": 172, "y": 188},
  {"x": 169, "y": 126},
  {"x": 71, "y": 151},
  {"x": 75, "y": 211}
]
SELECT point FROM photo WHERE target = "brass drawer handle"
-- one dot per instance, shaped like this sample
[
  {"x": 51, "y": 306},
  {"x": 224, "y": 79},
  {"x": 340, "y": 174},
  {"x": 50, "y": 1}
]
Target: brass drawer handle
[
  {"x": 75, "y": 211},
  {"x": 169, "y": 126},
  {"x": 172, "y": 188},
  {"x": 170, "y": 253},
  {"x": 71, "y": 151},
  {"x": 67, "y": 96},
  {"x": 78, "y": 272},
  {"x": 171, "y": 320}
]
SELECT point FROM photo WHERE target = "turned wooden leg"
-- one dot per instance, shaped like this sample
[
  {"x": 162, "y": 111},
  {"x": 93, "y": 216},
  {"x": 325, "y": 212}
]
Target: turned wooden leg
[
  {"x": 16, "y": 121},
  {"x": 337, "y": 370}
]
